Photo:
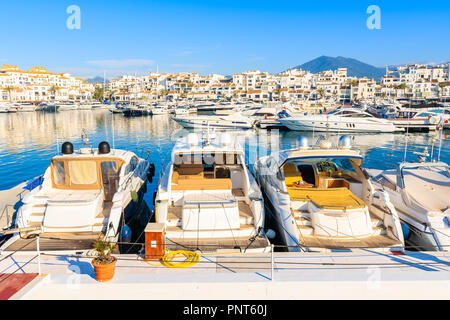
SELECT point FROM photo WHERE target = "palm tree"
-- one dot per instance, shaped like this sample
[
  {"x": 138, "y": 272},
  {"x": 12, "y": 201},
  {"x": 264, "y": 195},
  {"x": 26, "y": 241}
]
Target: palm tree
[
  {"x": 442, "y": 85},
  {"x": 402, "y": 87},
  {"x": 9, "y": 89},
  {"x": 162, "y": 92},
  {"x": 53, "y": 89},
  {"x": 98, "y": 93},
  {"x": 110, "y": 93},
  {"x": 321, "y": 92}
]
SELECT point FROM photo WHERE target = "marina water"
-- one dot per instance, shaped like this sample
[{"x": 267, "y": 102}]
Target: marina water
[{"x": 29, "y": 140}]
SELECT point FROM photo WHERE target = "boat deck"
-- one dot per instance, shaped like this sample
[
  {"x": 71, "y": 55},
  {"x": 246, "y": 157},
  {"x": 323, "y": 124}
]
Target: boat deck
[
  {"x": 375, "y": 241},
  {"x": 195, "y": 242},
  {"x": 213, "y": 245},
  {"x": 57, "y": 242},
  {"x": 245, "y": 213}
]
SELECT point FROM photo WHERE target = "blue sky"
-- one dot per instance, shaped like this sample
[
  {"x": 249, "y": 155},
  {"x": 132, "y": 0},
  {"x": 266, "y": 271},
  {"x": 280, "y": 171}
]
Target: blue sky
[{"x": 215, "y": 36}]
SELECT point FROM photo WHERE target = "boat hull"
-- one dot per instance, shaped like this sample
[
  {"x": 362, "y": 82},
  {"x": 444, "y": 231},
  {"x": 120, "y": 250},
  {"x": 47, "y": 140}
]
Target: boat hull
[{"x": 189, "y": 123}]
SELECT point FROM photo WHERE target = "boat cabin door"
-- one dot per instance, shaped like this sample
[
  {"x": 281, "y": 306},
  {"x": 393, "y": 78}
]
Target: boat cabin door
[{"x": 110, "y": 178}]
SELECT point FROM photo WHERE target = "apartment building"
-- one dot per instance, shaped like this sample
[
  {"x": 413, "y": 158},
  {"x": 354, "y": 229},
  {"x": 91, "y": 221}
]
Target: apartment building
[{"x": 37, "y": 85}]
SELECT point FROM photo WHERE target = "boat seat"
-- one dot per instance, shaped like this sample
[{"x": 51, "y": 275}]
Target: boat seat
[
  {"x": 291, "y": 174},
  {"x": 336, "y": 198},
  {"x": 72, "y": 208},
  {"x": 193, "y": 171},
  {"x": 203, "y": 184}
]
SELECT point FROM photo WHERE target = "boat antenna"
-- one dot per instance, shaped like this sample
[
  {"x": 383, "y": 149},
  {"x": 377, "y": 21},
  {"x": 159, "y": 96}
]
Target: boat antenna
[
  {"x": 441, "y": 128},
  {"x": 407, "y": 132},
  {"x": 56, "y": 127},
  {"x": 112, "y": 130},
  {"x": 433, "y": 140}
]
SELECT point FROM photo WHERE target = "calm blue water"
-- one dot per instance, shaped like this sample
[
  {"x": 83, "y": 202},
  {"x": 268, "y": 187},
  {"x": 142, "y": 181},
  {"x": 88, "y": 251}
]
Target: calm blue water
[{"x": 29, "y": 140}]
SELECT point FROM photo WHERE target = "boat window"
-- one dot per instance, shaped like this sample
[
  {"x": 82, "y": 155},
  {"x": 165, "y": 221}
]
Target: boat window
[
  {"x": 59, "y": 173},
  {"x": 307, "y": 173},
  {"x": 110, "y": 178},
  {"x": 360, "y": 115},
  {"x": 344, "y": 164},
  {"x": 132, "y": 165},
  {"x": 326, "y": 166},
  {"x": 83, "y": 172}
]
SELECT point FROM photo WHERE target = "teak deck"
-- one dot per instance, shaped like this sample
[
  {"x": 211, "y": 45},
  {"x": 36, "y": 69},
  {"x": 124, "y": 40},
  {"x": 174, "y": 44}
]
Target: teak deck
[
  {"x": 210, "y": 245},
  {"x": 57, "y": 242}
]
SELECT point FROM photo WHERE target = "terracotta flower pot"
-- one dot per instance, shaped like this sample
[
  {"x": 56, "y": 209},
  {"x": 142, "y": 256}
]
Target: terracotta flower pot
[{"x": 104, "y": 272}]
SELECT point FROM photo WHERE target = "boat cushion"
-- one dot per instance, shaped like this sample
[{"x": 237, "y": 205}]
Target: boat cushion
[
  {"x": 72, "y": 208},
  {"x": 203, "y": 184},
  {"x": 337, "y": 198}
]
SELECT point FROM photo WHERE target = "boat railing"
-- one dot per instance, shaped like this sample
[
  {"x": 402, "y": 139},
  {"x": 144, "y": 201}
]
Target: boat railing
[
  {"x": 6, "y": 212},
  {"x": 5, "y": 276}
]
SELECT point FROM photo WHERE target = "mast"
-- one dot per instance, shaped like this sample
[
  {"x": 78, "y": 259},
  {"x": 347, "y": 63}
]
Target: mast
[{"x": 104, "y": 86}]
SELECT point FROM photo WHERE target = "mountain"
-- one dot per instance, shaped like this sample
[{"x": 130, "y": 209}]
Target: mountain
[
  {"x": 354, "y": 67},
  {"x": 96, "y": 80}
]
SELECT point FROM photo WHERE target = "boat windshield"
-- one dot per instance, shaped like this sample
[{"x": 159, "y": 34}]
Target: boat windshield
[
  {"x": 83, "y": 174},
  {"x": 207, "y": 158},
  {"x": 320, "y": 173},
  {"x": 327, "y": 165}
]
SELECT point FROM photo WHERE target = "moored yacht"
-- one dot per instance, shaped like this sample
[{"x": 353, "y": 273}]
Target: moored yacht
[
  {"x": 66, "y": 106},
  {"x": 266, "y": 117},
  {"x": 207, "y": 198},
  {"x": 160, "y": 109},
  {"x": 85, "y": 106},
  {"x": 4, "y": 107},
  {"x": 24, "y": 107},
  {"x": 342, "y": 120},
  {"x": 421, "y": 194},
  {"x": 82, "y": 196},
  {"x": 234, "y": 121},
  {"x": 320, "y": 198}
]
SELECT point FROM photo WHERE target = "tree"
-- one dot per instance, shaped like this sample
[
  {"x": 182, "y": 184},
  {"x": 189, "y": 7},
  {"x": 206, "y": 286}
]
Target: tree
[
  {"x": 98, "y": 93},
  {"x": 278, "y": 91},
  {"x": 321, "y": 92},
  {"x": 53, "y": 89},
  {"x": 163, "y": 92},
  {"x": 9, "y": 89},
  {"x": 442, "y": 85}
]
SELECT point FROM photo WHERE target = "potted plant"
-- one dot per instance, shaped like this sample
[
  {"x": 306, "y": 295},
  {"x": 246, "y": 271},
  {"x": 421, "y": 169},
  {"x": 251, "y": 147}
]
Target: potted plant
[{"x": 104, "y": 264}]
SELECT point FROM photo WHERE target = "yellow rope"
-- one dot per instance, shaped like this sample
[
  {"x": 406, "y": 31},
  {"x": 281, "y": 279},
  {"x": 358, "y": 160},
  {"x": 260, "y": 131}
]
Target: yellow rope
[{"x": 191, "y": 259}]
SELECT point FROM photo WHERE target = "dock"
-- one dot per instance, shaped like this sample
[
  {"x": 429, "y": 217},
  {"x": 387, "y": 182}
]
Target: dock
[
  {"x": 8, "y": 204},
  {"x": 360, "y": 274}
]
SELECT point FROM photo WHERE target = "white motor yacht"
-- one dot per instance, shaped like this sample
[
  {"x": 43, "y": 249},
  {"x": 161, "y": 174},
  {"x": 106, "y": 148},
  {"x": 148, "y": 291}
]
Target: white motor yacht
[
  {"x": 320, "y": 199},
  {"x": 421, "y": 194},
  {"x": 82, "y": 196},
  {"x": 85, "y": 106},
  {"x": 266, "y": 117},
  {"x": 4, "y": 107},
  {"x": 234, "y": 121},
  {"x": 25, "y": 107},
  {"x": 67, "y": 106},
  {"x": 207, "y": 198},
  {"x": 341, "y": 120},
  {"x": 159, "y": 110}
]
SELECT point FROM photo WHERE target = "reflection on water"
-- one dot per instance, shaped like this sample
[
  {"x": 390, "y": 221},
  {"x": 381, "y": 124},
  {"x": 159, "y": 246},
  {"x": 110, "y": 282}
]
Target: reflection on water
[{"x": 29, "y": 140}]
